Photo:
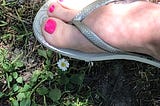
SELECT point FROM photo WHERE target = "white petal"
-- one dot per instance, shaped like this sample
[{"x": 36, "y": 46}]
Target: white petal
[{"x": 63, "y": 68}]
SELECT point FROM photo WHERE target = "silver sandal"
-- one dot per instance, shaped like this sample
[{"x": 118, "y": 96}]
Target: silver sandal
[{"x": 111, "y": 53}]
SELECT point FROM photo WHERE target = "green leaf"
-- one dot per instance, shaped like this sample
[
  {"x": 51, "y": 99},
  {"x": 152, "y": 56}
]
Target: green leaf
[
  {"x": 3, "y": 23},
  {"x": 25, "y": 88},
  {"x": 48, "y": 74},
  {"x": 25, "y": 102},
  {"x": 19, "y": 80},
  {"x": 42, "y": 53},
  {"x": 14, "y": 102},
  {"x": 6, "y": 36},
  {"x": 77, "y": 79},
  {"x": 1, "y": 94},
  {"x": 55, "y": 94},
  {"x": 42, "y": 91},
  {"x": 64, "y": 80},
  {"x": 18, "y": 64},
  {"x": 6, "y": 66},
  {"x": 10, "y": 78},
  {"x": 15, "y": 87},
  {"x": 28, "y": 94},
  {"x": 15, "y": 75},
  {"x": 20, "y": 96},
  {"x": 50, "y": 53},
  {"x": 35, "y": 75},
  {"x": 48, "y": 63}
]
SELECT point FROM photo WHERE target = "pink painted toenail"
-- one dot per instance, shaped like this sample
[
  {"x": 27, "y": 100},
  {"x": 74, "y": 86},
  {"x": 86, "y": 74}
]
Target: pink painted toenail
[
  {"x": 50, "y": 26},
  {"x": 61, "y": 0},
  {"x": 51, "y": 9}
]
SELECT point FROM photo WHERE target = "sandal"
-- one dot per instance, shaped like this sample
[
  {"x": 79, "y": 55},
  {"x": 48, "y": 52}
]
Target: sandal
[{"x": 111, "y": 53}]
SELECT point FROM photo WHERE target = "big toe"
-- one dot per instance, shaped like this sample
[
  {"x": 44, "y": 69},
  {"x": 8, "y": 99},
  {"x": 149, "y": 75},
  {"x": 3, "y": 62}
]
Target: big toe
[
  {"x": 75, "y": 4},
  {"x": 61, "y": 35},
  {"x": 56, "y": 32}
]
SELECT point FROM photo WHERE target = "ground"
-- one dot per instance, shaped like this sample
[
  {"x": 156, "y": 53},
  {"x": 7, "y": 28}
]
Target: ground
[{"x": 30, "y": 76}]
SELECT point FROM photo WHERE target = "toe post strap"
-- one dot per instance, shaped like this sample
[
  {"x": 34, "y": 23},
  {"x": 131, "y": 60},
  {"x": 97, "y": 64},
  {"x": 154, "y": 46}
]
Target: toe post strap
[
  {"x": 89, "y": 34},
  {"x": 92, "y": 37},
  {"x": 90, "y": 8}
]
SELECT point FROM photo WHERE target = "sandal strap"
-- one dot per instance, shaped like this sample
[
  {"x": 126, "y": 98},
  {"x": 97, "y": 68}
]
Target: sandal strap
[
  {"x": 90, "y": 8},
  {"x": 93, "y": 38},
  {"x": 88, "y": 33}
]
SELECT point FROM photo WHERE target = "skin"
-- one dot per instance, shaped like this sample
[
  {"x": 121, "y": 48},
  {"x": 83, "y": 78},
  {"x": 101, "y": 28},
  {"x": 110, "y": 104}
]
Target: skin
[{"x": 135, "y": 30}]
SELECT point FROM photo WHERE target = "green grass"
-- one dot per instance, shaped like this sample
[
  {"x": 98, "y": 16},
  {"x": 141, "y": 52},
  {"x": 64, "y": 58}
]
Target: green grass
[{"x": 29, "y": 75}]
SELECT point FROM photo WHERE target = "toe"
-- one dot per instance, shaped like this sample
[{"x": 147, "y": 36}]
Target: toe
[
  {"x": 54, "y": 32},
  {"x": 58, "y": 11},
  {"x": 60, "y": 34},
  {"x": 75, "y": 4},
  {"x": 67, "y": 9}
]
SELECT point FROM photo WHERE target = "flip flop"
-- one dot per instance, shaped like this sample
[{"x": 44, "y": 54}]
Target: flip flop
[{"x": 111, "y": 53}]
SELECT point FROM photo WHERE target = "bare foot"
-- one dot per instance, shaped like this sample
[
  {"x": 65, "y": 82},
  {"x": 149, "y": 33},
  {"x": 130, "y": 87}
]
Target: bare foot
[{"x": 132, "y": 27}]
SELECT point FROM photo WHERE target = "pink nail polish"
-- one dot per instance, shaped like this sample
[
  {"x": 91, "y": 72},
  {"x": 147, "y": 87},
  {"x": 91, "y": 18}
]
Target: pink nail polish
[
  {"x": 61, "y": 0},
  {"x": 51, "y": 9},
  {"x": 50, "y": 26}
]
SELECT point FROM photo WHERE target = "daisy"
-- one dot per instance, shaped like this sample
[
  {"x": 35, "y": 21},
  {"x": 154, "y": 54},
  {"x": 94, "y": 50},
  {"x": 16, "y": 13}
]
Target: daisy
[{"x": 63, "y": 64}]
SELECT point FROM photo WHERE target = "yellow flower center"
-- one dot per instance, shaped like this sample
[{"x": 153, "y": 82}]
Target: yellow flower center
[{"x": 63, "y": 64}]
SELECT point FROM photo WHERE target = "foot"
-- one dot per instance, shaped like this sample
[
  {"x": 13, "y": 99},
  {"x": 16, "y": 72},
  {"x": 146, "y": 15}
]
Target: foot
[{"x": 123, "y": 26}]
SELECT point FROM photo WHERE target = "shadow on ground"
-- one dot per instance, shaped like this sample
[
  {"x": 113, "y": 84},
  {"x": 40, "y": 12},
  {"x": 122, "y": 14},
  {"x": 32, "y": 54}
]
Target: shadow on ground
[{"x": 124, "y": 83}]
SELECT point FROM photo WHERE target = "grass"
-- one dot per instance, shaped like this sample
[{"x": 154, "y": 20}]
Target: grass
[{"x": 29, "y": 75}]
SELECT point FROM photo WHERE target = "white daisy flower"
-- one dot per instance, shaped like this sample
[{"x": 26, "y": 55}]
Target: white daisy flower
[{"x": 63, "y": 64}]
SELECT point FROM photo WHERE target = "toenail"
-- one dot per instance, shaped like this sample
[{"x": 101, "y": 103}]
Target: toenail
[
  {"x": 51, "y": 9},
  {"x": 61, "y": 0},
  {"x": 50, "y": 26}
]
